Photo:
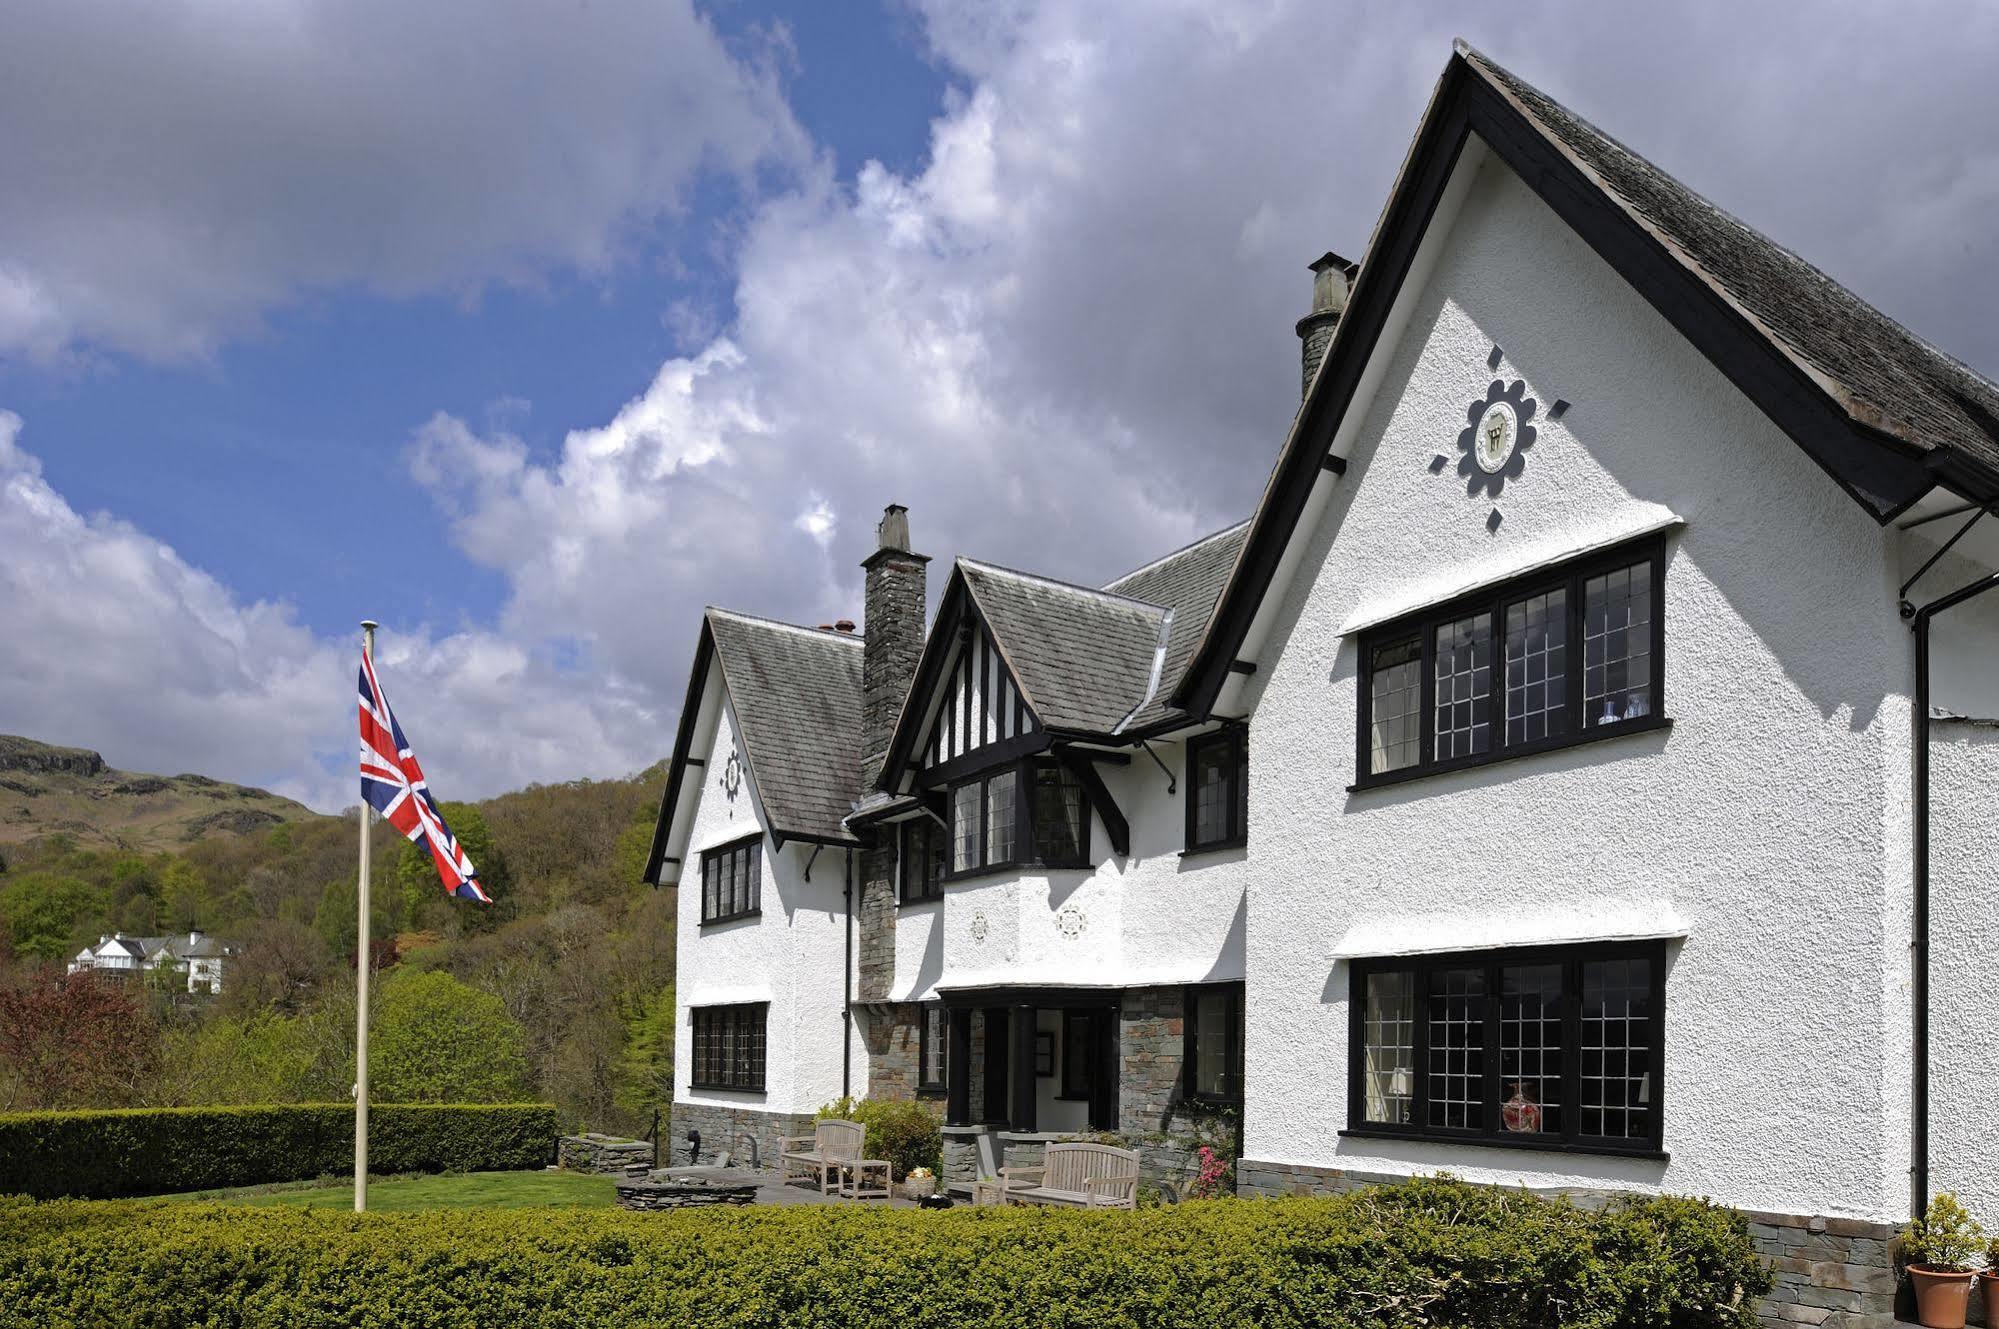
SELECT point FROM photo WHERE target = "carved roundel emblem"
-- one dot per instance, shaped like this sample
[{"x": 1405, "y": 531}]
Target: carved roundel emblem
[
  {"x": 1071, "y": 921},
  {"x": 732, "y": 776},
  {"x": 1498, "y": 431},
  {"x": 978, "y": 927}
]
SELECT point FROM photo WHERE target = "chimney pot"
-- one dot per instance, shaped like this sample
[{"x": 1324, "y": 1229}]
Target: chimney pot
[
  {"x": 843, "y": 625},
  {"x": 1332, "y": 283},
  {"x": 893, "y": 530}
]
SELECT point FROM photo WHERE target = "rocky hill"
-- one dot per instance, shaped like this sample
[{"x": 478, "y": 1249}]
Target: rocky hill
[{"x": 46, "y": 789}]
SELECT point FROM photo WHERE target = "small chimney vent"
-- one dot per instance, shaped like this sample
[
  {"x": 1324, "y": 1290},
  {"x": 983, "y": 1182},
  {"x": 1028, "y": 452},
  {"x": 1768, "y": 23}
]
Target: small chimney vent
[
  {"x": 1332, "y": 282},
  {"x": 843, "y": 625},
  {"x": 892, "y": 532}
]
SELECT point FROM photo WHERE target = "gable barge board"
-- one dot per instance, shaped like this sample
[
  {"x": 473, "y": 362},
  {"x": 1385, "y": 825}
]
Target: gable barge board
[{"x": 683, "y": 741}]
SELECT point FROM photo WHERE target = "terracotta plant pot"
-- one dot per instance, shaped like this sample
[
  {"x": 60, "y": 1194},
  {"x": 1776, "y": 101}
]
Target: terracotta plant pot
[
  {"x": 1941, "y": 1295},
  {"x": 1989, "y": 1282}
]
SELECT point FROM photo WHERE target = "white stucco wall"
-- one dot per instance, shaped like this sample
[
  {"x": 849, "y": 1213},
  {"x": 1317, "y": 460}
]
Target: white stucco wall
[
  {"x": 790, "y": 955},
  {"x": 1153, "y": 917},
  {"x": 1964, "y": 963},
  {"x": 1772, "y": 818}
]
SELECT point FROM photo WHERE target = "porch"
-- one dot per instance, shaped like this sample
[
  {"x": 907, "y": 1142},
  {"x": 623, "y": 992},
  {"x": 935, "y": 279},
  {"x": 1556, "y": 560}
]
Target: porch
[{"x": 1031, "y": 1061}]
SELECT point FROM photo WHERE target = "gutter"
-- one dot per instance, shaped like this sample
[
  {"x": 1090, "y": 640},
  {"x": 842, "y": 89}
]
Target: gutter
[{"x": 1919, "y": 945}]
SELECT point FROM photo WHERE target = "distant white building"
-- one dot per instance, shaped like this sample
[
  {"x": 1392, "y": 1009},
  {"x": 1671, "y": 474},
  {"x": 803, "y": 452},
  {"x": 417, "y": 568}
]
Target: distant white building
[{"x": 196, "y": 957}]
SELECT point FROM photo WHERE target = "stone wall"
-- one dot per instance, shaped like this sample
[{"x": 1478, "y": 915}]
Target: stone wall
[
  {"x": 603, "y": 1153},
  {"x": 1831, "y": 1273},
  {"x": 874, "y": 919},
  {"x": 893, "y": 1035},
  {"x": 725, "y": 1128},
  {"x": 1166, "y": 1130}
]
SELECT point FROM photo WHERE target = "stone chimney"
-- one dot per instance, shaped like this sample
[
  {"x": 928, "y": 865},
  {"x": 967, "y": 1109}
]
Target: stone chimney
[
  {"x": 1332, "y": 280},
  {"x": 893, "y": 622}
]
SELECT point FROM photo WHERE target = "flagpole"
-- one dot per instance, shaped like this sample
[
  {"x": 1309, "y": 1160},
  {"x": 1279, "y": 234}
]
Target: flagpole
[{"x": 368, "y": 627}]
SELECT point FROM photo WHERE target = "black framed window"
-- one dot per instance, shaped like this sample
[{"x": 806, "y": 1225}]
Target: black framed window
[
  {"x": 923, "y": 862},
  {"x": 1551, "y": 1047},
  {"x": 1494, "y": 674},
  {"x": 729, "y": 1046},
  {"x": 1214, "y": 1038},
  {"x": 1218, "y": 789},
  {"x": 1061, "y": 816},
  {"x": 732, "y": 880},
  {"x": 1079, "y": 1029},
  {"x": 933, "y": 1038},
  {"x": 1025, "y": 813}
]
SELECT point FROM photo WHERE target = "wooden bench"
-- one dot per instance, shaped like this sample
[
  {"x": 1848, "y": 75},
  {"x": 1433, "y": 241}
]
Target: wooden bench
[
  {"x": 1075, "y": 1172},
  {"x": 822, "y": 1155}
]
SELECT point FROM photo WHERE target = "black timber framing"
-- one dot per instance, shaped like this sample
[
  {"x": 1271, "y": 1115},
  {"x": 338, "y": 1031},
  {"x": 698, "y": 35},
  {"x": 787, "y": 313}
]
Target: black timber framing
[
  {"x": 1117, "y": 829},
  {"x": 1883, "y": 474}
]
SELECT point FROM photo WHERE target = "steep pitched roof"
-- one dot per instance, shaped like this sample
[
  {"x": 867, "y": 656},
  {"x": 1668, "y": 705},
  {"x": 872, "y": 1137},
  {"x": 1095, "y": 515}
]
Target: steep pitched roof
[
  {"x": 1087, "y": 660},
  {"x": 797, "y": 698},
  {"x": 1083, "y": 658},
  {"x": 796, "y": 693},
  {"x": 1883, "y": 413}
]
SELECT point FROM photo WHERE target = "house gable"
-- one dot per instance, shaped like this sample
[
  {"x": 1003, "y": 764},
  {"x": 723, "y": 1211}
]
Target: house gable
[{"x": 1885, "y": 416}]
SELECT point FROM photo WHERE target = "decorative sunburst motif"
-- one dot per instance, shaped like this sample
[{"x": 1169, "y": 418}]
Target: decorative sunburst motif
[
  {"x": 1496, "y": 437},
  {"x": 732, "y": 777}
]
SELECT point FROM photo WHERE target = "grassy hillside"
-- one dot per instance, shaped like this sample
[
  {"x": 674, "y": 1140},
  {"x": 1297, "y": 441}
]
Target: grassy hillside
[{"x": 70, "y": 791}]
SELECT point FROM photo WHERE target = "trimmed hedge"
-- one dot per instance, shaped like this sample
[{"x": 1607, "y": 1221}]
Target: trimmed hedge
[
  {"x": 1434, "y": 1252},
  {"x": 153, "y": 1151}
]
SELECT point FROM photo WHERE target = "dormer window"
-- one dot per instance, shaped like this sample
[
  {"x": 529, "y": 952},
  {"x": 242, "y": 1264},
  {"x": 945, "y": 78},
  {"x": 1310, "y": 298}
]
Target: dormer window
[
  {"x": 1024, "y": 814},
  {"x": 1497, "y": 673}
]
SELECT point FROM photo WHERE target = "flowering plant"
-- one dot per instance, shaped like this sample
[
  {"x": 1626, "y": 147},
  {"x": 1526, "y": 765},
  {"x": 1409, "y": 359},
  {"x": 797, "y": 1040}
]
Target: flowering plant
[
  {"x": 1213, "y": 1179},
  {"x": 920, "y": 1174}
]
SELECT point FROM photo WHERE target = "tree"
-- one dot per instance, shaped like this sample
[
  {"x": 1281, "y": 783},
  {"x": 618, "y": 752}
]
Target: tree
[
  {"x": 645, "y": 1067},
  {"x": 437, "y": 1040},
  {"x": 44, "y": 910},
  {"x": 416, "y": 871},
  {"x": 77, "y": 1040},
  {"x": 280, "y": 968}
]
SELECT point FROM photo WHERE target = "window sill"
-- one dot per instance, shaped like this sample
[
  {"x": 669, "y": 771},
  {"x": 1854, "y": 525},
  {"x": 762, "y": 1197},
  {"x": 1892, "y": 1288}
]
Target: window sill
[
  {"x": 920, "y": 900},
  {"x": 1020, "y": 866},
  {"x": 731, "y": 918},
  {"x": 1524, "y": 1143},
  {"x": 727, "y": 1089},
  {"x": 1599, "y": 734},
  {"x": 930, "y": 1091},
  {"x": 1195, "y": 851}
]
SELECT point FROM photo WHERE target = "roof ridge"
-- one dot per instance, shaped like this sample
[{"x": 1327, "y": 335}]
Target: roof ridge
[
  {"x": 1093, "y": 591},
  {"x": 1187, "y": 548},
  {"x": 821, "y": 634}
]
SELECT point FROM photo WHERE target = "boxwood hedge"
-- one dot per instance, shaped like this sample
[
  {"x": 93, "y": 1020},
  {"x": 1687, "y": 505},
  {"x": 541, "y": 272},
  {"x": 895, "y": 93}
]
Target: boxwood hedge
[
  {"x": 151, "y": 1151},
  {"x": 1434, "y": 1252}
]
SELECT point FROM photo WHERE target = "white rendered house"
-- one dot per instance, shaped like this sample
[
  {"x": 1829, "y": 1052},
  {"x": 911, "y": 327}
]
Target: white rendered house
[{"x": 1576, "y": 773}]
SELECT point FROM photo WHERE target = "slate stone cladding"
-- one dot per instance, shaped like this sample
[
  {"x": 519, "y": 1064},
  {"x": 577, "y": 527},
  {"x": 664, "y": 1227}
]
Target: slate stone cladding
[
  {"x": 874, "y": 924},
  {"x": 1831, "y": 1273},
  {"x": 893, "y": 641},
  {"x": 1153, "y": 1115},
  {"x": 725, "y": 1128},
  {"x": 893, "y": 1037}
]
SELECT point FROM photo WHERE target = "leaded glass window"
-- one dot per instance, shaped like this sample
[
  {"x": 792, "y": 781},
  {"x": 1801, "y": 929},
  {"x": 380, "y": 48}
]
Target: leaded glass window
[
  {"x": 966, "y": 809},
  {"x": 1617, "y": 645},
  {"x": 1388, "y": 1044},
  {"x": 1537, "y": 695},
  {"x": 732, "y": 880},
  {"x": 1396, "y": 731},
  {"x": 1061, "y": 816}
]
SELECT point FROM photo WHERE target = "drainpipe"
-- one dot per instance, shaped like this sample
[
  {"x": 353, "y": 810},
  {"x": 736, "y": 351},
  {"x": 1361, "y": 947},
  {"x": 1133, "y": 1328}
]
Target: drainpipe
[
  {"x": 847, "y": 988},
  {"x": 1919, "y": 1079}
]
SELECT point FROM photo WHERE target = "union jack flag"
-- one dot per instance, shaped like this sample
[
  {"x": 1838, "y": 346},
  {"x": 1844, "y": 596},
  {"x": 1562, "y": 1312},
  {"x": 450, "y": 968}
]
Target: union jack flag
[{"x": 392, "y": 783}]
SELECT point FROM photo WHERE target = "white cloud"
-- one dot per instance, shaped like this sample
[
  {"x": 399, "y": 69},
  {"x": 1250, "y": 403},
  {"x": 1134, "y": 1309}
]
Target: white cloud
[
  {"x": 115, "y": 642},
  {"x": 173, "y": 171}
]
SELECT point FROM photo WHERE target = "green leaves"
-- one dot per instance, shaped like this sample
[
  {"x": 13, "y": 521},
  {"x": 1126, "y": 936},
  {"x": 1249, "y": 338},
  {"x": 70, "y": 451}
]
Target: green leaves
[
  {"x": 1424, "y": 1253},
  {"x": 437, "y": 1040},
  {"x": 152, "y": 1151}
]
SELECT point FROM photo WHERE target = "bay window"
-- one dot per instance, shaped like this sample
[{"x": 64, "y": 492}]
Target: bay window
[
  {"x": 1031, "y": 813},
  {"x": 1218, "y": 789}
]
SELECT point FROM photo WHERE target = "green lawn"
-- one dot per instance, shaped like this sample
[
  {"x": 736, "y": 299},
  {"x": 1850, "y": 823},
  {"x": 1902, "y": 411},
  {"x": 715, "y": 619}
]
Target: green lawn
[{"x": 469, "y": 1190}]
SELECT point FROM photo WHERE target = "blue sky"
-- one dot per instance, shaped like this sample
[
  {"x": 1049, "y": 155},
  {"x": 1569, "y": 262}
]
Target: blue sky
[{"x": 530, "y": 330}]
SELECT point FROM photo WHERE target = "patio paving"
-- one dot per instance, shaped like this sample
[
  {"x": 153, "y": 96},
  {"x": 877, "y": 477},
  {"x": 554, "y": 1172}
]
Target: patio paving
[{"x": 771, "y": 1191}]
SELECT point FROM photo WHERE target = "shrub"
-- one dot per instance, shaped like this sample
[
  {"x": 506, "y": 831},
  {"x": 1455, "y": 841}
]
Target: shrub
[
  {"x": 151, "y": 1151},
  {"x": 900, "y": 1130},
  {"x": 1429, "y": 1252},
  {"x": 1945, "y": 1237}
]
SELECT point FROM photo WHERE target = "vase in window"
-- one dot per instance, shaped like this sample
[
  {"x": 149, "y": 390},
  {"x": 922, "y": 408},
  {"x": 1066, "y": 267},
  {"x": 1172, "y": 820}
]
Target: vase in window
[
  {"x": 1610, "y": 715},
  {"x": 1637, "y": 705},
  {"x": 1520, "y": 1113}
]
